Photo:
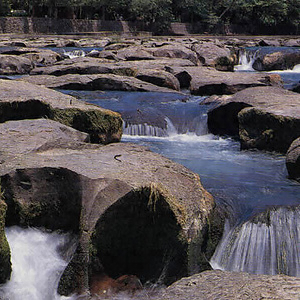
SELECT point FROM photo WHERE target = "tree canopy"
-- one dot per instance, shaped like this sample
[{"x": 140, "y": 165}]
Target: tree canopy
[{"x": 264, "y": 14}]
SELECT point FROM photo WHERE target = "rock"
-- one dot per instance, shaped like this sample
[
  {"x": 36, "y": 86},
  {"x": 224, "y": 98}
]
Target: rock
[
  {"x": 160, "y": 78},
  {"x": 5, "y": 264},
  {"x": 213, "y": 285},
  {"x": 101, "y": 82},
  {"x": 293, "y": 160},
  {"x": 265, "y": 118},
  {"x": 281, "y": 60},
  {"x": 175, "y": 51},
  {"x": 207, "y": 81},
  {"x": 13, "y": 65},
  {"x": 23, "y": 100},
  {"x": 117, "y": 46},
  {"x": 134, "y": 53},
  {"x": 147, "y": 212},
  {"x": 209, "y": 53}
]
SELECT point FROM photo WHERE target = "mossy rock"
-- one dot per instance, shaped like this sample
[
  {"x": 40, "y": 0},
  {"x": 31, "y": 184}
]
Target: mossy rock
[{"x": 5, "y": 264}]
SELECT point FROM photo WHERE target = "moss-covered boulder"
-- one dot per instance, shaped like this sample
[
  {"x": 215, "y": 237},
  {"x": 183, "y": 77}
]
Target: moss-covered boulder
[{"x": 22, "y": 100}]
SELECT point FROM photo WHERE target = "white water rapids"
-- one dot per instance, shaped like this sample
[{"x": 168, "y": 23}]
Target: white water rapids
[{"x": 36, "y": 263}]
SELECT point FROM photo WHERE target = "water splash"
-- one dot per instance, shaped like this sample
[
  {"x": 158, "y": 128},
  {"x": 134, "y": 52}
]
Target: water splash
[
  {"x": 267, "y": 244},
  {"x": 246, "y": 60},
  {"x": 143, "y": 130},
  {"x": 36, "y": 263},
  {"x": 74, "y": 53}
]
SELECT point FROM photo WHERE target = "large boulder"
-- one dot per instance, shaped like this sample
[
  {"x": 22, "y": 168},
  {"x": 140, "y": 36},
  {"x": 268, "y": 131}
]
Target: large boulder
[
  {"x": 15, "y": 65},
  {"x": 265, "y": 118},
  {"x": 160, "y": 78},
  {"x": 293, "y": 160},
  {"x": 213, "y": 285},
  {"x": 23, "y": 100},
  {"x": 123, "y": 202},
  {"x": 281, "y": 60},
  {"x": 210, "y": 54},
  {"x": 176, "y": 50},
  {"x": 208, "y": 81}
]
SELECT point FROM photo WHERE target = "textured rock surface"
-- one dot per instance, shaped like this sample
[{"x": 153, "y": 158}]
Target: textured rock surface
[
  {"x": 293, "y": 160},
  {"x": 53, "y": 179},
  {"x": 103, "y": 82},
  {"x": 263, "y": 117},
  {"x": 22, "y": 100},
  {"x": 11, "y": 64},
  {"x": 216, "y": 285}
]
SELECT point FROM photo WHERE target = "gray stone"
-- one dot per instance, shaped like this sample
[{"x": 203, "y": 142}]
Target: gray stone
[{"x": 293, "y": 160}]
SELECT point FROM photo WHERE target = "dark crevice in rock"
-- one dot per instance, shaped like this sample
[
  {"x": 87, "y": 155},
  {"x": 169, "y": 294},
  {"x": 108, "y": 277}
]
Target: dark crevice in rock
[{"x": 140, "y": 235}]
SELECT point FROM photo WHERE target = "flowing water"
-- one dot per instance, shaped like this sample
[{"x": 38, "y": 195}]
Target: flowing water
[
  {"x": 248, "y": 56},
  {"x": 247, "y": 183},
  {"x": 37, "y": 264}
]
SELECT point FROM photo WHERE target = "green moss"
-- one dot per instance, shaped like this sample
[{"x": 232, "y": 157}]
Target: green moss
[{"x": 102, "y": 126}]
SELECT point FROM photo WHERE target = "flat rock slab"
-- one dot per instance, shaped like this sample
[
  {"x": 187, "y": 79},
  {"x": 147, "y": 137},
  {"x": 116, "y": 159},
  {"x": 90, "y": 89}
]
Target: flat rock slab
[
  {"x": 208, "y": 81},
  {"x": 98, "y": 82},
  {"x": 216, "y": 285},
  {"x": 23, "y": 100},
  {"x": 264, "y": 117}
]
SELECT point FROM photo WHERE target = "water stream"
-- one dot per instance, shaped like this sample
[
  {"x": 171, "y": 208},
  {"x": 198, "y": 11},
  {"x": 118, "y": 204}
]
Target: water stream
[
  {"x": 246, "y": 182},
  {"x": 37, "y": 264}
]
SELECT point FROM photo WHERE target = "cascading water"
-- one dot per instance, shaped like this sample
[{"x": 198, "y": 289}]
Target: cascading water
[
  {"x": 246, "y": 182},
  {"x": 74, "y": 53},
  {"x": 270, "y": 246},
  {"x": 246, "y": 60},
  {"x": 36, "y": 263}
]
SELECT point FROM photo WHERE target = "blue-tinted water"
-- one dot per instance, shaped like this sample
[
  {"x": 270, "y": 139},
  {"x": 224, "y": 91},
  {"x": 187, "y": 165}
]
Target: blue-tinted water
[{"x": 247, "y": 181}]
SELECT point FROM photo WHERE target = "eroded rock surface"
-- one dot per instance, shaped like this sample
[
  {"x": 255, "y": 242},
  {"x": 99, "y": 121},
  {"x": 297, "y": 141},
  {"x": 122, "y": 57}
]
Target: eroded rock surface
[
  {"x": 23, "y": 100},
  {"x": 215, "y": 285},
  {"x": 119, "y": 195},
  {"x": 293, "y": 160},
  {"x": 264, "y": 117}
]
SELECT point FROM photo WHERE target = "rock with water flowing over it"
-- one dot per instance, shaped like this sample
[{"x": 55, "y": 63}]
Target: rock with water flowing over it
[
  {"x": 23, "y": 100},
  {"x": 216, "y": 285},
  {"x": 265, "y": 118},
  {"x": 135, "y": 212},
  {"x": 293, "y": 160}
]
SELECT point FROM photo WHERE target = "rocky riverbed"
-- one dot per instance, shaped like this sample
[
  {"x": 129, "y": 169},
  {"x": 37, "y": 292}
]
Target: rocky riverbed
[{"x": 63, "y": 166}]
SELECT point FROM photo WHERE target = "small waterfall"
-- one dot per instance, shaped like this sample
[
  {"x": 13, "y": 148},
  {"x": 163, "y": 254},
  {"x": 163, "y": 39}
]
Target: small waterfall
[
  {"x": 74, "y": 53},
  {"x": 36, "y": 263},
  {"x": 268, "y": 244},
  {"x": 246, "y": 60},
  {"x": 143, "y": 130}
]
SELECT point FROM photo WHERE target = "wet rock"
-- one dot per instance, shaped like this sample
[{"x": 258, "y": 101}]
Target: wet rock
[
  {"x": 213, "y": 285},
  {"x": 293, "y": 160},
  {"x": 12, "y": 65},
  {"x": 101, "y": 82},
  {"x": 23, "y": 100},
  {"x": 147, "y": 212},
  {"x": 265, "y": 118},
  {"x": 281, "y": 60}
]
